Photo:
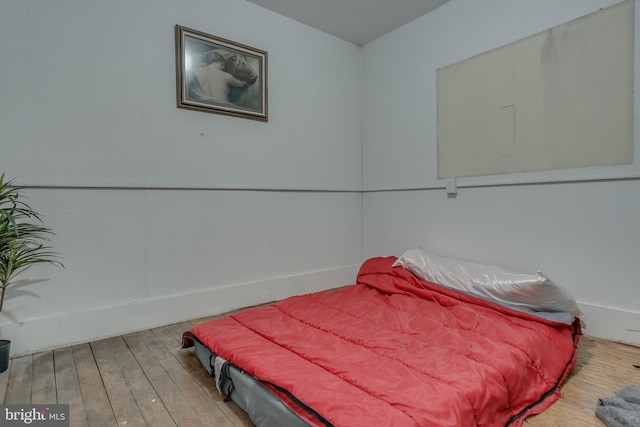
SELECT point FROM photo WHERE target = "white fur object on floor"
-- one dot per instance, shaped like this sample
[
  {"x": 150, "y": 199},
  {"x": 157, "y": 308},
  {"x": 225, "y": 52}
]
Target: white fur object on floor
[{"x": 621, "y": 410}]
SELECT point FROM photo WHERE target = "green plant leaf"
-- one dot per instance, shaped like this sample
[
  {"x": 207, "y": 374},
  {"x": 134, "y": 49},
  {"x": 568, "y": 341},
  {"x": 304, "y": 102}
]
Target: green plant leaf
[{"x": 21, "y": 239}]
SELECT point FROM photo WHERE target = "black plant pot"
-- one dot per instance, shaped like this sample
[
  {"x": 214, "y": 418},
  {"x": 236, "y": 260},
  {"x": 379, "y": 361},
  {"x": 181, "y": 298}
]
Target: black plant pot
[{"x": 5, "y": 347}]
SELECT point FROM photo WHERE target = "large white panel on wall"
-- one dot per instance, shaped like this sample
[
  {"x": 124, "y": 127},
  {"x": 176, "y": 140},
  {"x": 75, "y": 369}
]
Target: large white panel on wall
[{"x": 559, "y": 99}]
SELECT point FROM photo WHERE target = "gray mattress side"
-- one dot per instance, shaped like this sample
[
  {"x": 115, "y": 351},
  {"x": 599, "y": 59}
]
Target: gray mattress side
[{"x": 264, "y": 408}]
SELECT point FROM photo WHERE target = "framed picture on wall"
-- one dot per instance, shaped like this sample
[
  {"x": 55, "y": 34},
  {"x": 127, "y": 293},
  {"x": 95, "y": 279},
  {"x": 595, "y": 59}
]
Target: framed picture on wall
[{"x": 220, "y": 76}]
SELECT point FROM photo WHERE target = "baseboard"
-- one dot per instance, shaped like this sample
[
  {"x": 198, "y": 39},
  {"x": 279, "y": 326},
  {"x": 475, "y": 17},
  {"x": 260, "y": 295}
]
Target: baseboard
[
  {"x": 75, "y": 328},
  {"x": 612, "y": 324}
]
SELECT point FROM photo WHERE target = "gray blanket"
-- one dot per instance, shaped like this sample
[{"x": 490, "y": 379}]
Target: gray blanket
[{"x": 621, "y": 410}]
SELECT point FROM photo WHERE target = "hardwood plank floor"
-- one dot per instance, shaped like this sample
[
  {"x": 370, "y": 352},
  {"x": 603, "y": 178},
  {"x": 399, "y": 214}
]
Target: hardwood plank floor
[{"x": 145, "y": 379}]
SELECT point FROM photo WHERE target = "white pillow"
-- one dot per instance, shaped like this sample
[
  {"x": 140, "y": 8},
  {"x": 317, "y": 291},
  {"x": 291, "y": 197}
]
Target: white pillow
[{"x": 527, "y": 291}]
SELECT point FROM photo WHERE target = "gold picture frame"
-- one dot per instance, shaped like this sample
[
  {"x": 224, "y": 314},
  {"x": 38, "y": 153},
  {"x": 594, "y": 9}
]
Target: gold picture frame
[{"x": 217, "y": 75}]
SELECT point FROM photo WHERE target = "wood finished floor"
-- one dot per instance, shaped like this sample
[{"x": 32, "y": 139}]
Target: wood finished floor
[{"x": 145, "y": 379}]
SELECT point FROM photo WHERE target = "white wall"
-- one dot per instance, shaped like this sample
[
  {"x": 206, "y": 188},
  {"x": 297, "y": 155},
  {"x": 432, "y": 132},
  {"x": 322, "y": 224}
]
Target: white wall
[
  {"x": 165, "y": 214},
  {"x": 585, "y": 234},
  {"x": 88, "y": 97}
]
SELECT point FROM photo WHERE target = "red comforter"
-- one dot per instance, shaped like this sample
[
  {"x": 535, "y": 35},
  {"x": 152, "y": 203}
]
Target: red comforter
[{"x": 395, "y": 350}]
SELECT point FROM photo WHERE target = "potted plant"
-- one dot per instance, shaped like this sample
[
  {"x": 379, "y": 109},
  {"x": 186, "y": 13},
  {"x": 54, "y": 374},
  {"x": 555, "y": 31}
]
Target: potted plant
[{"x": 22, "y": 244}]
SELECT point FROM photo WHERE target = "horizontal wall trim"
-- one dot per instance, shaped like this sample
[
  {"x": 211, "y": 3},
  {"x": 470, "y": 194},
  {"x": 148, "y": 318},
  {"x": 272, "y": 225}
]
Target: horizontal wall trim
[
  {"x": 460, "y": 184},
  {"x": 322, "y": 190},
  {"x": 171, "y": 188},
  {"x": 66, "y": 329},
  {"x": 505, "y": 184}
]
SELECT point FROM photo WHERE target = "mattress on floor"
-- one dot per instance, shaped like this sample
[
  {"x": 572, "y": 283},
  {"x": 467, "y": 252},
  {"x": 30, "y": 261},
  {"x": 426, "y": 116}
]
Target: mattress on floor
[{"x": 391, "y": 350}]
